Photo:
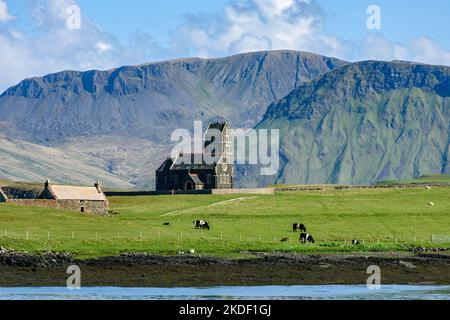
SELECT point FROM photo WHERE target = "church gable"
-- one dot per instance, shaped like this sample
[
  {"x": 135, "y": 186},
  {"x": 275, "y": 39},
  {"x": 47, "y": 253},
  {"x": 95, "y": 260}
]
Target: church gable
[{"x": 211, "y": 169}]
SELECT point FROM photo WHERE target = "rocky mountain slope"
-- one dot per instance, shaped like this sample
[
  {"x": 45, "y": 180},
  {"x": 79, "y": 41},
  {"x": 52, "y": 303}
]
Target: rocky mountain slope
[
  {"x": 362, "y": 123},
  {"x": 116, "y": 124}
]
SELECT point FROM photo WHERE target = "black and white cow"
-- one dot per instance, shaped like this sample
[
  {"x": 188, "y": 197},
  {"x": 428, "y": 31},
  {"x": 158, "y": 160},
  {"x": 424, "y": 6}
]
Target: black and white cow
[
  {"x": 355, "y": 242},
  {"x": 201, "y": 224},
  {"x": 298, "y": 226},
  {"x": 305, "y": 237}
]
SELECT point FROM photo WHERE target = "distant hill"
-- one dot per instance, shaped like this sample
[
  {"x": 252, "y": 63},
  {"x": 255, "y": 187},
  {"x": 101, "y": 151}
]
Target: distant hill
[
  {"x": 115, "y": 125},
  {"x": 363, "y": 123}
]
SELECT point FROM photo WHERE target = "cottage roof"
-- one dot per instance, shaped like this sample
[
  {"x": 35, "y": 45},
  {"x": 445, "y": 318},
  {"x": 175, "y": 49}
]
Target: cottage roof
[{"x": 77, "y": 193}]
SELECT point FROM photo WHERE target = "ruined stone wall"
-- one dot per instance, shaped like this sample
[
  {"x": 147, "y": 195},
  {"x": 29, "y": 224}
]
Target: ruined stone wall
[
  {"x": 21, "y": 193},
  {"x": 34, "y": 203},
  {"x": 95, "y": 207},
  {"x": 243, "y": 191}
]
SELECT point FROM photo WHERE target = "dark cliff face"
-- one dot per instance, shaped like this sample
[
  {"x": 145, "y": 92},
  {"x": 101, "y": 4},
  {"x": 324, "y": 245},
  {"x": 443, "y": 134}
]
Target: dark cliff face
[
  {"x": 361, "y": 81},
  {"x": 363, "y": 123},
  {"x": 151, "y": 100}
]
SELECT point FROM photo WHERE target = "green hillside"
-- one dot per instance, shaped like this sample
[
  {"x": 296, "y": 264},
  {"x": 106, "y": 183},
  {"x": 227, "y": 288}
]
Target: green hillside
[{"x": 363, "y": 123}]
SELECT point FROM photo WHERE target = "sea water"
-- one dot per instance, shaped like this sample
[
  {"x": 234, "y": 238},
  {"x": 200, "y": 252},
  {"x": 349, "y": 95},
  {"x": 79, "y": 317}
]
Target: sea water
[{"x": 318, "y": 292}]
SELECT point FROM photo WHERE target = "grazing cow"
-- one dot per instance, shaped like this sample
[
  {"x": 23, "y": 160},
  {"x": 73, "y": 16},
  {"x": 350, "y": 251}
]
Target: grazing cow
[
  {"x": 298, "y": 226},
  {"x": 201, "y": 224},
  {"x": 284, "y": 239},
  {"x": 355, "y": 242},
  {"x": 166, "y": 224},
  {"x": 305, "y": 237}
]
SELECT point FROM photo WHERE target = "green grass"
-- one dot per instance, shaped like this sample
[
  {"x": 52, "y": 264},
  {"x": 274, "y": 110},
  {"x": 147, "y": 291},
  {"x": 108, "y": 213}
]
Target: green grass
[
  {"x": 385, "y": 219},
  {"x": 432, "y": 178}
]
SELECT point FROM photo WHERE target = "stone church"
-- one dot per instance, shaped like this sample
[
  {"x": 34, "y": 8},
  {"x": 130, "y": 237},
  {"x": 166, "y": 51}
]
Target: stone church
[{"x": 191, "y": 172}]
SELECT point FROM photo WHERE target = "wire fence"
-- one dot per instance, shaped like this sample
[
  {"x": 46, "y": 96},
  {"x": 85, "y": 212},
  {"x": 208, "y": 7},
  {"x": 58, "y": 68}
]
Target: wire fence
[
  {"x": 204, "y": 235},
  {"x": 440, "y": 239}
]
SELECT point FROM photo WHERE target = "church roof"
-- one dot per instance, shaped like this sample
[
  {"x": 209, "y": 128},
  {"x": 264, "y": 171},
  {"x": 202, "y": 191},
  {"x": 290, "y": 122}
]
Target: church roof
[
  {"x": 76, "y": 193},
  {"x": 165, "y": 166},
  {"x": 3, "y": 196},
  {"x": 196, "y": 179},
  {"x": 190, "y": 162}
]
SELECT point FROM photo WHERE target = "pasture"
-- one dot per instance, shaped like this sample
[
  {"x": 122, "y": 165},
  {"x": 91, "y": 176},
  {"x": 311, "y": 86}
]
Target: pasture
[{"x": 381, "y": 219}]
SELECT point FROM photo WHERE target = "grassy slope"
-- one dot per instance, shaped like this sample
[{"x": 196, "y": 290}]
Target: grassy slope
[
  {"x": 432, "y": 178},
  {"x": 353, "y": 141},
  {"x": 332, "y": 217}
]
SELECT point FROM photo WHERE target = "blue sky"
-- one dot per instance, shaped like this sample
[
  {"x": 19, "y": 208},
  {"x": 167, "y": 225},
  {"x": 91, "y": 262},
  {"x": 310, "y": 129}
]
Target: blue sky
[{"x": 34, "y": 39}]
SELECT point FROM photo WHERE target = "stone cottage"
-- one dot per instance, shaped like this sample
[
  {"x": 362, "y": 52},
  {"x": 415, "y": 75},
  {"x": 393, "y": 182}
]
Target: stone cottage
[{"x": 81, "y": 199}]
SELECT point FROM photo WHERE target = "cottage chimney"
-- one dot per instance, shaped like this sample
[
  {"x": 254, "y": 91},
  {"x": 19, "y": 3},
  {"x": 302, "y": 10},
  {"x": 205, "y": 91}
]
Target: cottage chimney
[
  {"x": 47, "y": 184},
  {"x": 97, "y": 186}
]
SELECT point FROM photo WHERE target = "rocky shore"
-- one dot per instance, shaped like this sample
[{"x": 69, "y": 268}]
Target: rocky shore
[{"x": 148, "y": 270}]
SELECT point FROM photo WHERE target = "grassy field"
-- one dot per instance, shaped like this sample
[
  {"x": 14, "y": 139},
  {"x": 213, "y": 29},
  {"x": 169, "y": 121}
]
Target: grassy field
[
  {"x": 432, "y": 178},
  {"x": 383, "y": 219}
]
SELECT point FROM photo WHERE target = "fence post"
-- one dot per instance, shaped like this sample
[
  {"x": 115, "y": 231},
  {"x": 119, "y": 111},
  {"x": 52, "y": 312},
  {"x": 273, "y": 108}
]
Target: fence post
[
  {"x": 27, "y": 234},
  {"x": 118, "y": 235},
  {"x": 259, "y": 238},
  {"x": 240, "y": 237},
  {"x": 48, "y": 235},
  {"x": 73, "y": 234},
  {"x": 181, "y": 235},
  {"x": 96, "y": 236},
  {"x": 140, "y": 234}
]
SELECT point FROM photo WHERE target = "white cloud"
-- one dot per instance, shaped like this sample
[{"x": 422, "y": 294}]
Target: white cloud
[
  {"x": 4, "y": 15},
  {"x": 419, "y": 49},
  {"x": 54, "y": 47},
  {"x": 103, "y": 46},
  {"x": 242, "y": 26},
  {"x": 252, "y": 25},
  {"x": 259, "y": 25}
]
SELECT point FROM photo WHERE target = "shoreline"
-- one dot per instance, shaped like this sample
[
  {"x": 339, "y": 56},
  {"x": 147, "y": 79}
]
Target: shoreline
[{"x": 256, "y": 269}]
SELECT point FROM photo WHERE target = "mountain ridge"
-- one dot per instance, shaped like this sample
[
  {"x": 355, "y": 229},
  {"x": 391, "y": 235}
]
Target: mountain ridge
[
  {"x": 362, "y": 123},
  {"x": 149, "y": 101}
]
